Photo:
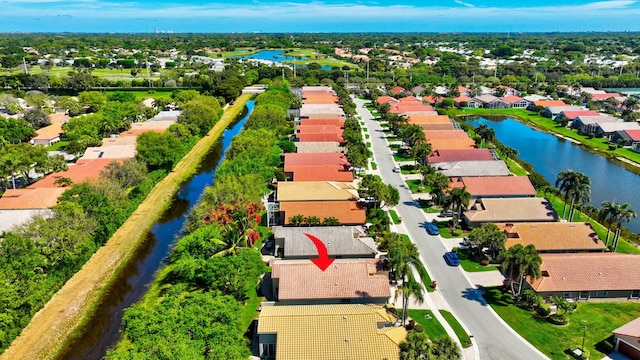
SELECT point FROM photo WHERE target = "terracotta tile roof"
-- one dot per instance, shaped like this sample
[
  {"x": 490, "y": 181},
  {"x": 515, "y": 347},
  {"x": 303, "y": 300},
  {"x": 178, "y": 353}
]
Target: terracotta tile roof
[
  {"x": 462, "y": 89},
  {"x": 320, "y": 137},
  {"x": 341, "y": 241},
  {"x": 319, "y": 146},
  {"x": 461, "y": 98},
  {"x": 596, "y": 97},
  {"x": 428, "y": 119},
  {"x": 49, "y": 132},
  {"x": 320, "y": 173},
  {"x": 24, "y": 199},
  {"x": 554, "y": 236},
  {"x": 511, "y": 210},
  {"x": 448, "y": 144},
  {"x": 308, "y": 159},
  {"x": 632, "y": 329},
  {"x": 634, "y": 135},
  {"x": 82, "y": 170},
  {"x": 401, "y": 108},
  {"x": 460, "y": 155},
  {"x": 110, "y": 152},
  {"x": 498, "y": 186},
  {"x": 386, "y": 100},
  {"x": 437, "y": 126},
  {"x": 57, "y": 118},
  {"x": 347, "y": 212},
  {"x": 512, "y": 99},
  {"x": 397, "y": 90},
  {"x": 445, "y": 134},
  {"x": 120, "y": 140},
  {"x": 321, "y": 110},
  {"x": 574, "y": 114},
  {"x": 431, "y": 99},
  {"x": 332, "y": 332},
  {"x": 588, "y": 272},
  {"x": 323, "y": 121},
  {"x": 319, "y": 128},
  {"x": 545, "y": 103},
  {"x": 409, "y": 99},
  {"x": 344, "y": 279},
  {"x": 316, "y": 190},
  {"x": 320, "y": 99}
]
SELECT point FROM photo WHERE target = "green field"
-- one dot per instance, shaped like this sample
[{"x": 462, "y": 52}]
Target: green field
[
  {"x": 465, "y": 340},
  {"x": 432, "y": 326}
]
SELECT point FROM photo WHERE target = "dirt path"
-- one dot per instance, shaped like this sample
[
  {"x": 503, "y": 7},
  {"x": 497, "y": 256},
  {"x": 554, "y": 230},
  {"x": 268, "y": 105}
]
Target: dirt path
[{"x": 73, "y": 303}]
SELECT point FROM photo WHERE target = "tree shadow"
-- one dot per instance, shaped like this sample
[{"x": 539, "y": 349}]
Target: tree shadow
[{"x": 474, "y": 295}]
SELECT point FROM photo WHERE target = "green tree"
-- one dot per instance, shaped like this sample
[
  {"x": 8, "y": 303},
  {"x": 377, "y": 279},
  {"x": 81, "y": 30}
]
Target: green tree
[
  {"x": 36, "y": 118},
  {"x": 490, "y": 236},
  {"x": 127, "y": 174},
  {"x": 407, "y": 289},
  {"x": 200, "y": 114},
  {"x": 159, "y": 151},
  {"x": 402, "y": 257},
  {"x": 417, "y": 346},
  {"x": 458, "y": 199},
  {"x": 519, "y": 262},
  {"x": 420, "y": 152},
  {"x": 411, "y": 135},
  {"x": 95, "y": 100}
]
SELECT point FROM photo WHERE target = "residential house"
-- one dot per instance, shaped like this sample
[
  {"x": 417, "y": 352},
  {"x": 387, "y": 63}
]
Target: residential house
[
  {"x": 609, "y": 129},
  {"x": 605, "y": 96},
  {"x": 9, "y": 219},
  {"x": 490, "y": 102},
  {"x": 398, "y": 90},
  {"x": 589, "y": 277},
  {"x": 508, "y": 90},
  {"x": 110, "y": 152},
  {"x": 473, "y": 168},
  {"x": 516, "y": 101},
  {"x": 495, "y": 186},
  {"x": 626, "y": 339},
  {"x": 553, "y": 237},
  {"x": 321, "y": 111},
  {"x": 318, "y": 172},
  {"x": 321, "y": 121},
  {"x": 81, "y": 171},
  {"x": 316, "y": 191},
  {"x": 445, "y": 134},
  {"x": 509, "y": 210},
  {"x": 139, "y": 128},
  {"x": 321, "y": 332},
  {"x": 119, "y": 140},
  {"x": 347, "y": 212},
  {"x": 346, "y": 281},
  {"x": 553, "y": 111},
  {"x": 405, "y": 107},
  {"x": 312, "y": 133},
  {"x": 545, "y": 103},
  {"x": 628, "y": 138},
  {"x": 425, "y": 120},
  {"x": 48, "y": 135},
  {"x": 319, "y": 147},
  {"x": 342, "y": 242},
  {"x": 30, "y": 199},
  {"x": 449, "y": 144},
  {"x": 168, "y": 115},
  {"x": 462, "y": 101},
  {"x": 442, "y": 156},
  {"x": 570, "y": 116},
  {"x": 588, "y": 124}
]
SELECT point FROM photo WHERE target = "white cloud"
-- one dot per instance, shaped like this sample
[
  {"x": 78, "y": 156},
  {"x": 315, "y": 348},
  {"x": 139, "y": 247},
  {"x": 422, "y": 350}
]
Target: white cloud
[{"x": 463, "y": 3}]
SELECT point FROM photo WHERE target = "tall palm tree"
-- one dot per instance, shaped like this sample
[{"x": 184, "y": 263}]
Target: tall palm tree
[
  {"x": 409, "y": 288},
  {"x": 575, "y": 186},
  {"x": 402, "y": 256},
  {"x": 458, "y": 199},
  {"x": 520, "y": 261},
  {"x": 630, "y": 103},
  {"x": 625, "y": 215},
  {"x": 608, "y": 212},
  {"x": 416, "y": 346},
  {"x": 445, "y": 349},
  {"x": 579, "y": 194}
]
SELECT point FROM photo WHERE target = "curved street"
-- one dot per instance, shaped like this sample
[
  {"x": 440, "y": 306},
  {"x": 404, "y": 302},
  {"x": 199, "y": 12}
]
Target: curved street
[{"x": 493, "y": 339}]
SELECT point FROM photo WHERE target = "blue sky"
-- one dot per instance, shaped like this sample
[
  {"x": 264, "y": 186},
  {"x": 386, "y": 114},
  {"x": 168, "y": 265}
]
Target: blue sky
[{"x": 318, "y": 16}]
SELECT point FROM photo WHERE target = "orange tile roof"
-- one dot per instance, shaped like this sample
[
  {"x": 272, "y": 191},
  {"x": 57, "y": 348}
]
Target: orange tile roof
[
  {"x": 588, "y": 272},
  {"x": 431, "y": 99},
  {"x": 462, "y": 98},
  {"x": 571, "y": 115},
  {"x": 445, "y": 134},
  {"x": 320, "y": 137},
  {"x": 138, "y": 128},
  {"x": 319, "y": 128},
  {"x": 400, "y": 108},
  {"x": 460, "y": 155},
  {"x": 512, "y": 99},
  {"x": 386, "y": 99},
  {"x": 57, "y": 118},
  {"x": 49, "y": 132},
  {"x": 409, "y": 99},
  {"x": 437, "y": 126},
  {"x": 596, "y": 97},
  {"x": 545, "y": 103},
  {"x": 553, "y": 236},
  {"x": 344, "y": 279},
  {"x": 397, "y": 90},
  {"x": 347, "y": 212},
  {"x": 120, "y": 140},
  {"x": 320, "y": 99},
  {"x": 307, "y": 159},
  {"x": 499, "y": 186},
  {"x": 428, "y": 119},
  {"x": 320, "y": 173},
  {"x": 23, "y": 199},
  {"x": 81, "y": 171},
  {"x": 323, "y": 121},
  {"x": 447, "y": 144}
]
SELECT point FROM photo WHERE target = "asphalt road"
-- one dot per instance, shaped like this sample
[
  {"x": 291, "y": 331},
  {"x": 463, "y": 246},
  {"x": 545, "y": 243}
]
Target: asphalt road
[{"x": 493, "y": 337}]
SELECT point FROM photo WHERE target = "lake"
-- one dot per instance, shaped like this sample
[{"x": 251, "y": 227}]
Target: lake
[
  {"x": 275, "y": 56},
  {"x": 550, "y": 155}
]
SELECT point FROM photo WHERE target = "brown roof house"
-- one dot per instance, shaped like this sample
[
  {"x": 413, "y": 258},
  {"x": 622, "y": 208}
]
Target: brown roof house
[
  {"x": 348, "y": 242},
  {"x": 345, "y": 281},
  {"x": 553, "y": 237},
  {"x": 509, "y": 210},
  {"x": 627, "y": 339},
  {"x": 495, "y": 186},
  {"x": 328, "y": 332},
  {"x": 589, "y": 277},
  {"x": 48, "y": 135},
  {"x": 316, "y": 191},
  {"x": 439, "y": 156},
  {"x": 347, "y": 212}
]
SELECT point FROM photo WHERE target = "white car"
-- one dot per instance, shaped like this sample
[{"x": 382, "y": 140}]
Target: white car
[{"x": 396, "y": 169}]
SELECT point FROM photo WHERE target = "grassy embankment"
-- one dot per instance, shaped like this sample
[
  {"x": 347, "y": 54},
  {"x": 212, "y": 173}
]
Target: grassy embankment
[
  {"x": 599, "y": 318},
  {"x": 71, "y": 307}
]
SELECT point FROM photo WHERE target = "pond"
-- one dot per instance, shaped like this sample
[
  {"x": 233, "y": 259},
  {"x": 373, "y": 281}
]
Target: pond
[
  {"x": 103, "y": 329},
  {"x": 275, "y": 56},
  {"x": 550, "y": 155}
]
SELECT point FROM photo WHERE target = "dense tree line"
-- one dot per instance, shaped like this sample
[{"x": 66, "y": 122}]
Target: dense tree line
[{"x": 198, "y": 306}]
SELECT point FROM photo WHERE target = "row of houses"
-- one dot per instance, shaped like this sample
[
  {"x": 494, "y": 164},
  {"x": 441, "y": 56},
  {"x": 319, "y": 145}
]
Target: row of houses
[
  {"x": 341, "y": 312},
  {"x": 17, "y": 206}
]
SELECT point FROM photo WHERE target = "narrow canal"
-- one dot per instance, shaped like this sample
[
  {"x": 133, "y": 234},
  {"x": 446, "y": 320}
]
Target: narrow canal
[
  {"x": 103, "y": 330},
  {"x": 550, "y": 155}
]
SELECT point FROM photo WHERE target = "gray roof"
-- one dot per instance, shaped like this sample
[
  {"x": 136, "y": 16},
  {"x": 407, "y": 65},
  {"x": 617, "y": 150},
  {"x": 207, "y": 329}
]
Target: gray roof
[
  {"x": 559, "y": 109},
  {"x": 474, "y": 168},
  {"x": 166, "y": 115},
  {"x": 524, "y": 209},
  {"x": 339, "y": 240},
  {"x": 485, "y": 98},
  {"x": 609, "y": 127},
  {"x": 597, "y": 119},
  {"x": 12, "y": 218}
]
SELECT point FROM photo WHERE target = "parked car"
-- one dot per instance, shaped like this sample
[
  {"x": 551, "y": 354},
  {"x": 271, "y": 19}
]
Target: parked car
[
  {"x": 396, "y": 169},
  {"x": 451, "y": 258},
  {"x": 448, "y": 213},
  {"x": 432, "y": 229}
]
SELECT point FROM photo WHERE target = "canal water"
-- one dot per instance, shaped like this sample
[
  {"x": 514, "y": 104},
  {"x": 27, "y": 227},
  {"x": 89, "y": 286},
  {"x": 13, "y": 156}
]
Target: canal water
[
  {"x": 550, "y": 155},
  {"x": 103, "y": 330}
]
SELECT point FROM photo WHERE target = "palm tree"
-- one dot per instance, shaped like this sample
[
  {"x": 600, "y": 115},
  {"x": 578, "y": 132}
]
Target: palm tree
[
  {"x": 630, "y": 103},
  {"x": 445, "y": 349},
  {"x": 608, "y": 212},
  {"x": 625, "y": 215},
  {"x": 579, "y": 194},
  {"x": 574, "y": 185},
  {"x": 416, "y": 346},
  {"x": 521, "y": 261},
  {"x": 486, "y": 133},
  {"x": 402, "y": 256},
  {"x": 409, "y": 288},
  {"x": 459, "y": 199},
  {"x": 420, "y": 152}
]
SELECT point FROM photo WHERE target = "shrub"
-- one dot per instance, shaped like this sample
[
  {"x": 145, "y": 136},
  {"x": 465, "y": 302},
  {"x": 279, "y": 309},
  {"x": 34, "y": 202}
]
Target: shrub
[
  {"x": 558, "y": 319},
  {"x": 542, "y": 309},
  {"x": 418, "y": 328}
]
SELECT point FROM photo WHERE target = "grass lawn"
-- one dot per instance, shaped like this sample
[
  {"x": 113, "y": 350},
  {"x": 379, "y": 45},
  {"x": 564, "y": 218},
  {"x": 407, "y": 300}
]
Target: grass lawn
[
  {"x": 432, "y": 326},
  {"x": 599, "y": 318},
  {"x": 515, "y": 168},
  {"x": 465, "y": 340},
  {"x": 394, "y": 216},
  {"x": 403, "y": 157},
  {"x": 374, "y": 166},
  {"x": 470, "y": 265},
  {"x": 424, "y": 275},
  {"x": 394, "y": 147},
  {"x": 58, "y": 146},
  {"x": 416, "y": 186}
]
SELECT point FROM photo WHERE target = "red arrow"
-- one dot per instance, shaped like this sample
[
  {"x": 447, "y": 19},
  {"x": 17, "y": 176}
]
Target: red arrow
[{"x": 323, "y": 261}]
